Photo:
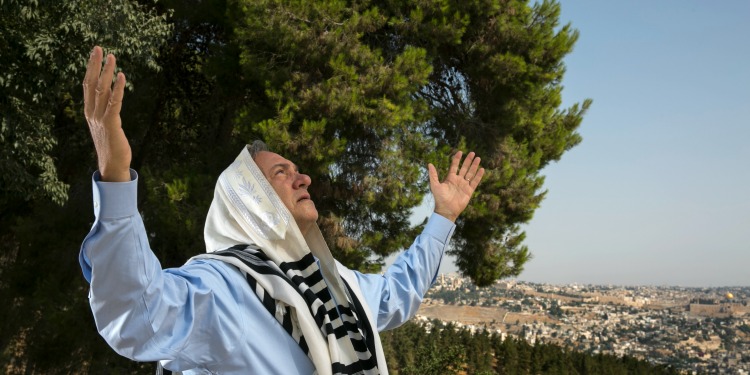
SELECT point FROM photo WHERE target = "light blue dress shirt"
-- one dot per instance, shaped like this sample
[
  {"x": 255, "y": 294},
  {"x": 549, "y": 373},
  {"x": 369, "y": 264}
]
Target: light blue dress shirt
[{"x": 202, "y": 318}]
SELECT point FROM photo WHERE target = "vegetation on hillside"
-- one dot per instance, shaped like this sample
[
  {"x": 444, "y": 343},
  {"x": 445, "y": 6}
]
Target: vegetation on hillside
[{"x": 446, "y": 349}]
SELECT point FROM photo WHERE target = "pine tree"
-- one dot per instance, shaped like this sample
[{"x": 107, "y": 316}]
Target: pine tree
[{"x": 362, "y": 96}]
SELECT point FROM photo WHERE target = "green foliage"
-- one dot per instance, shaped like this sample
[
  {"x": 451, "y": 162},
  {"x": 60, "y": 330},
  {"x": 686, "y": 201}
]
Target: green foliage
[
  {"x": 44, "y": 53},
  {"x": 45, "y": 163},
  {"x": 411, "y": 350},
  {"x": 46, "y": 324},
  {"x": 444, "y": 349},
  {"x": 363, "y": 96},
  {"x": 496, "y": 88},
  {"x": 175, "y": 213},
  {"x": 344, "y": 111}
]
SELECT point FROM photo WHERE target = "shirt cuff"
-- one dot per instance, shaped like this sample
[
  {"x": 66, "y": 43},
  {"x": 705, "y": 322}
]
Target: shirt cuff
[
  {"x": 115, "y": 199},
  {"x": 439, "y": 227}
]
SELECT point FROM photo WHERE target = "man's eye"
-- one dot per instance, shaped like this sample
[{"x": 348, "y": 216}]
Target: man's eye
[{"x": 280, "y": 171}]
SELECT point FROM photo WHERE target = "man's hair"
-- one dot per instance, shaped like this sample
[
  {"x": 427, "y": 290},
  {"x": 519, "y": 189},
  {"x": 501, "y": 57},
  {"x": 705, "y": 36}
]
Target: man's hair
[{"x": 256, "y": 147}]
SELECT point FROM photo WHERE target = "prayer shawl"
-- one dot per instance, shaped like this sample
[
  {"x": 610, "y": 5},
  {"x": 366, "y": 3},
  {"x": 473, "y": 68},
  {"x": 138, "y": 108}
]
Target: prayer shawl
[{"x": 320, "y": 306}]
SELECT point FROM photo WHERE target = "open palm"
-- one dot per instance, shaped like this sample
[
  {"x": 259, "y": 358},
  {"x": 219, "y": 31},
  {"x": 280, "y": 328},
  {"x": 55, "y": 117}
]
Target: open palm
[{"x": 453, "y": 194}]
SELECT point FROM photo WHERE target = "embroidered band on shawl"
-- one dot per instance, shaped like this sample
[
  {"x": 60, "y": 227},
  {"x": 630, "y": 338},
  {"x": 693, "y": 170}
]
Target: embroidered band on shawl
[{"x": 258, "y": 195}]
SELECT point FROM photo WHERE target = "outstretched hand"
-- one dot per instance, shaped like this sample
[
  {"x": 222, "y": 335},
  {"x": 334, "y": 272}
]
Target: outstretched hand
[
  {"x": 101, "y": 106},
  {"x": 453, "y": 194}
]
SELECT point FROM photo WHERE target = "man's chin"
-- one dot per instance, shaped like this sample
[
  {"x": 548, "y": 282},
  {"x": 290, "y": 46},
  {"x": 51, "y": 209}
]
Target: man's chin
[{"x": 307, "y": 217}]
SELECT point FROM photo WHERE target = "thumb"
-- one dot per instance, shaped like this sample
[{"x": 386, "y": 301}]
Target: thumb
[{"x": 434, "y": 181}]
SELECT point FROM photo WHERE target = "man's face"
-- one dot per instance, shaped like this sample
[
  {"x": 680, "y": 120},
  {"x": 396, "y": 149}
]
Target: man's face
[{"x": 291, "y": 187}]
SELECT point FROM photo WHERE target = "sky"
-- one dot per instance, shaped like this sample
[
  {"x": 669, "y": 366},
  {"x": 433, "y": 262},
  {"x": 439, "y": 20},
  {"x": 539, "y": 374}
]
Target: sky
[{"x": 658, "y": 191}]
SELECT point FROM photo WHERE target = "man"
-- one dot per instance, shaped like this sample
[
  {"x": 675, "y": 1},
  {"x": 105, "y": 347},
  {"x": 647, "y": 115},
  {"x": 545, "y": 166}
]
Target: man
[{"x": 267, "y": 297}]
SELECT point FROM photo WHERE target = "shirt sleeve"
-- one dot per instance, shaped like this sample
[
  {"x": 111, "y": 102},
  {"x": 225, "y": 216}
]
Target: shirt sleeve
[
  {"x": 188, "y": 316},
  {"x": 395, "y": 296}
]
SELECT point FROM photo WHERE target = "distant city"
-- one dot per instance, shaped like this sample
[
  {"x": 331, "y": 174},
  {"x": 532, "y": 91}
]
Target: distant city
[{"x": 696, "y": 330}]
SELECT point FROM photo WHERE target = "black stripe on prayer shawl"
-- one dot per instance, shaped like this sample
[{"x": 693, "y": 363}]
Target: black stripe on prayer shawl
[
  {"x": 358, "y": 331},
  {"x": 365, "y": 323},
  {"x": 354, "y": 368},
  {"x": 323, "y": 294},
  {"x": 260, "y": 268},
  {"x": 303, "y": 263},
  {"x": 343, "y": 331},
  {"x": 251, "y": 259},
  {"x": 270, "y": 304},
  {"x": 299, "y": 269},
  {"x": 286, "y": 322},
  {"x": 311, "y": 279}
]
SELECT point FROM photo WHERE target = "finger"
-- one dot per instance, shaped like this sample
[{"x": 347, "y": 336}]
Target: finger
[
  {"x": 432, "y": 172},
  {"x": 115, "y": 100},
  {"x": 477, "y": 179},
  {"x": 93, "y": 69},
  {"x": 465, "y": 165},
  {"x": 473, "y": 169},
  {"x": 104, "y": 88},
  {"x": 454, "y": 163}
]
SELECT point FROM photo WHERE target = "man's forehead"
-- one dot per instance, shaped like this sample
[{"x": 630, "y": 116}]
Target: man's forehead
[{"x": 267, "y": 160}]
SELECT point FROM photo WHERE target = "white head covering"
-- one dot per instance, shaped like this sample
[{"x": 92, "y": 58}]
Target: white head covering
[{"x": 247, "y": 210}]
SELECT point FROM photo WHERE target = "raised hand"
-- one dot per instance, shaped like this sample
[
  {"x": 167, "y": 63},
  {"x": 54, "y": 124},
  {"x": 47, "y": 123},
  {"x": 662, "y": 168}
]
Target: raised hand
[
  {"x": 453, "y": 194},
  {"x": 101, "y": 106}
]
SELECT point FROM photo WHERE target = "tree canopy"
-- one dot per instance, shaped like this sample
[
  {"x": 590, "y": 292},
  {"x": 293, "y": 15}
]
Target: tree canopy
[
  {"x": 361, "y": 95},
  {"x": 446, "y": 349},
  {"x": 44, "y": 54}
]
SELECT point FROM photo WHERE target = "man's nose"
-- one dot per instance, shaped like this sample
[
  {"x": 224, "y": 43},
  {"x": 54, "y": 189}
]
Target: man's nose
[{"x": 301, "y": 180}]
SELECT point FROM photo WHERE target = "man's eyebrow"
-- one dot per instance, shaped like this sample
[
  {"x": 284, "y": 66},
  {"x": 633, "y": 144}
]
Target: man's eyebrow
[{"x": 284, "y": 165}]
